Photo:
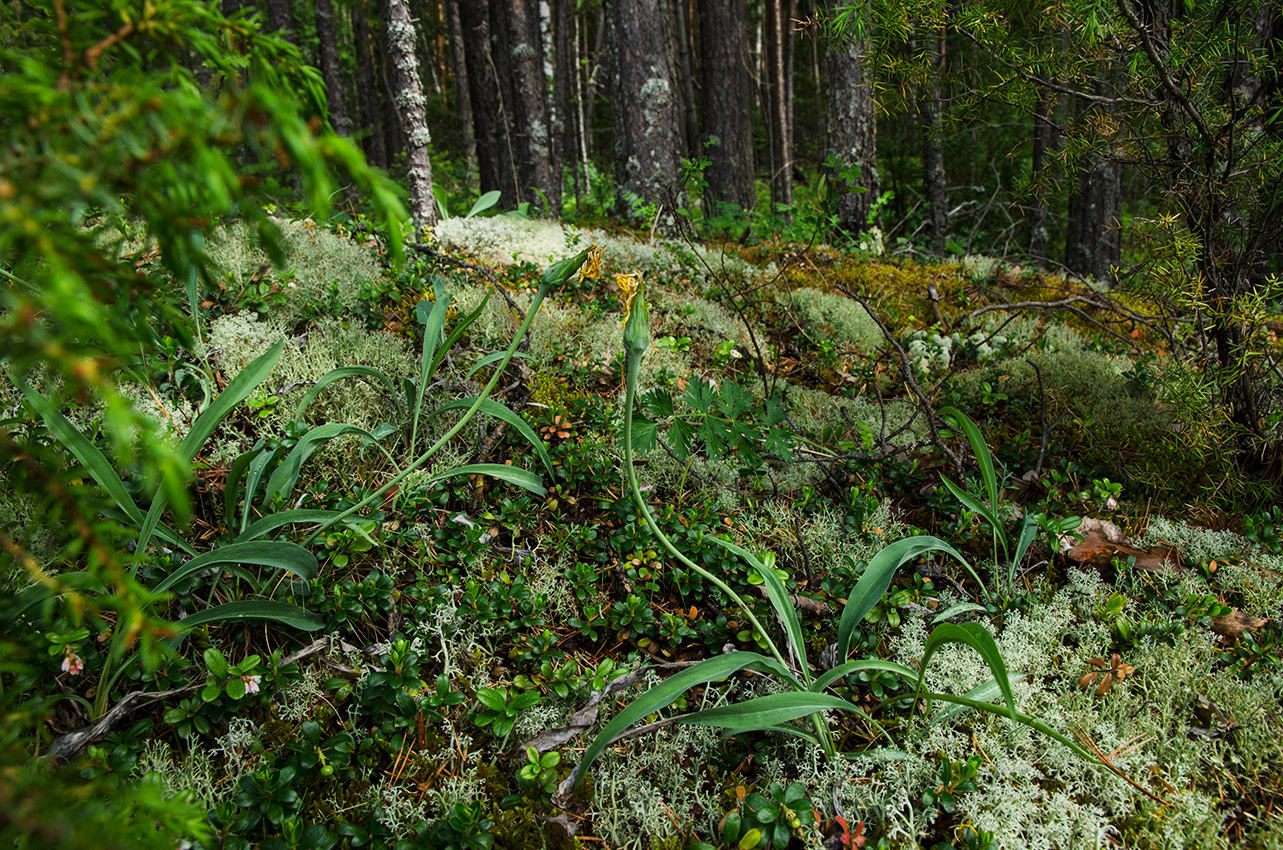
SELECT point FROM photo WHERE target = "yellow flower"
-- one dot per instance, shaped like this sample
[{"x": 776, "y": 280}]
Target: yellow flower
[
  {"x": 628, "y": 284},
  {"x": 591, "y": 269}
]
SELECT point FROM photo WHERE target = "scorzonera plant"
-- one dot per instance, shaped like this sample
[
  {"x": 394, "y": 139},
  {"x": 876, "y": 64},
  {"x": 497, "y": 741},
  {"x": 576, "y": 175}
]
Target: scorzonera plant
[{"x": 807, "y": 693}]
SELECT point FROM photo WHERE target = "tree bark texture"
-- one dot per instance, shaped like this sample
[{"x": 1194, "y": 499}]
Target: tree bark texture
[
  {"x": 1092, "y": 243},
  {"x": 331, "y": 70},
  {"x": 279, "y": 19},
  {"x": 728, "y": 118},
  {"x": 1044, "y": 139},
  {"x": 368, "y": 103},
  {"x": 494, "y": 145},
  {"x": 565, "y": 147},
  {"x": 778, "y": 79},
  {"x": 644, "y": 103},
  {"x": 852, "y": 133},
  {"x": 531, "y": 121},
  {"x": 462, "y": 89},
  {"x": 412, "y": 109},
  {"x": 686, "y": 75},
  {"x": 930, "y": 114}
]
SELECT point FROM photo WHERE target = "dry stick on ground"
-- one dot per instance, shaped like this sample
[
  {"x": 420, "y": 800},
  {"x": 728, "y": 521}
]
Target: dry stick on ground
[{"x": 907, "y": 368}]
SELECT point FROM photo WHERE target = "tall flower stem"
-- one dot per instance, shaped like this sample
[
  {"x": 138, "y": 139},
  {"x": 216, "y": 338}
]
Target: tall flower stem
[{"x": 632, "y": 371}]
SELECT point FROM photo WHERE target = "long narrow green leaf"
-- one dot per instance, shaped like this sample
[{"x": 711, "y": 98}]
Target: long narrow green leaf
[
  {"x": 237, "y": 391},
  {"x": 348, "y": 372},
  {"x": 984, "y": 692},
  {"x": 1024, "y": 719},
  {"x": 491, "y": 358},
  {"x": 257, "y": 469},
  {"x": 280, "y": 519},
  {"x": 485, "y": 202},
  {"x": 499, "y": 411},
  {"x": 762, "y": 712},
  {"x": 283, "y": 479},
  {"x": 511, "y": 474},
  {"x": 37, "y": 593},
  {"x": 255, "y": 609},
  {"x": 433, "y": 325},
  {"x": 94, "y": 462},
  {"x": 235, "y": 477},
  {"x": 974, "y": 505},
  {"x": 978, "y": 638},
  {"x": 268, "y": 553},
  {"x": 662, "y": 695},
  {"x": 843, "y": 670},
  {"x": 1028, "y": 531},
  {"x": 460, "y": 327},
  {"x": 778, "y": 596},
  {"x": 877, "y": 576},
  {"x": 981, "y": 450}
]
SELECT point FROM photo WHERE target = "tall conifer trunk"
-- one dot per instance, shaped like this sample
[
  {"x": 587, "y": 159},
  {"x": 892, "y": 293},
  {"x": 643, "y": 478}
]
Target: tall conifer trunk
[
  {"x": 852, "y": 132},
  {"x": 331, "y": 70},
  {"x": 728, "y": 127},
  {"x": 412, "y": 110},
  {"x": 644, "y": 103}
]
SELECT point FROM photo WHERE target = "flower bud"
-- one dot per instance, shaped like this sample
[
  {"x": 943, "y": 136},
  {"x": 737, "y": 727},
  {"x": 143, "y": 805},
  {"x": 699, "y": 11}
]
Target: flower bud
[
  {"x": 636, "y": 318},
  {"x": 559, "y": 272}
]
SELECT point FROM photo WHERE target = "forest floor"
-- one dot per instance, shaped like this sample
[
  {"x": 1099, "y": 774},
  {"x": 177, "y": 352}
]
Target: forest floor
[{"x": 470, "y": 634}]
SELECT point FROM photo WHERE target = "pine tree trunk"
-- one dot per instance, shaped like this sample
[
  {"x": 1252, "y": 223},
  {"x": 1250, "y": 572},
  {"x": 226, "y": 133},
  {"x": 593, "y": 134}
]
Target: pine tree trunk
[
  {"x": 1092, "y": 241},
  {"x": 530, "y": 118},
  {"x": 367, "y": 89},
  {"x": 462, "y": 89},
  {"x": 494, "y": 150},
  {"x": 331, "y": 70},
  {"x": 1044, "y": 137},
  {"x": 644, "y": 103},
  {"x": 852, "y": 133},
  {"x": 778, "y": 96},
  {"x": 563, "y": 86},
  {"x": 685, "y": 70},
  {"x": 412, "y": 109},
  {"x": 728, "y": 120},
  {"x": 933, "y": 175},
  {"x": 279, "y": 19}
]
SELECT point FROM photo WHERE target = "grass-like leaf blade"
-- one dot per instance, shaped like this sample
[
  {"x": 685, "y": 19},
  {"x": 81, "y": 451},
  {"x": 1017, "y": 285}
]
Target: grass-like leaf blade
[{"x": 662, "y": 695}]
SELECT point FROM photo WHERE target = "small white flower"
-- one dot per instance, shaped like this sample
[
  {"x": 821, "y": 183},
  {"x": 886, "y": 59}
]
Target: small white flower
[
  {"x": 1066, "y": 543},
  {"x": 1111, "y": 503},
  {"x": 251, "y": 683}
]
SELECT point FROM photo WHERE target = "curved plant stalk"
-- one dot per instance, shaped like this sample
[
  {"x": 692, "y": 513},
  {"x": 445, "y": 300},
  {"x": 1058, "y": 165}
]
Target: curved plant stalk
[{"x": 636, "y": 340}]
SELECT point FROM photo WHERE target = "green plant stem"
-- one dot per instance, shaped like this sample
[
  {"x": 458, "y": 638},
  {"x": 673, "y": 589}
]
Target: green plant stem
[
  {"x": 449, "y": 435},
  {"x": 632, "y": 373}
]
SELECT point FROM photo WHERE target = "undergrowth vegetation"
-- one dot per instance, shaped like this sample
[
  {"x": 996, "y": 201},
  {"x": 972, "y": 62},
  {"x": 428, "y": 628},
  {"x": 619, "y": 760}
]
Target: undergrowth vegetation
[{"x": 660, "y": 546}]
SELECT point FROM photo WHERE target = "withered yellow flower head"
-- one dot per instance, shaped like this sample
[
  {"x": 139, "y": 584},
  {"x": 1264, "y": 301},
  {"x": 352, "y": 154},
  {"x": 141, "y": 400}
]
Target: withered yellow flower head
[
  {"x": 628, "y": 285},
  {"x": 591, "y": 269}
]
